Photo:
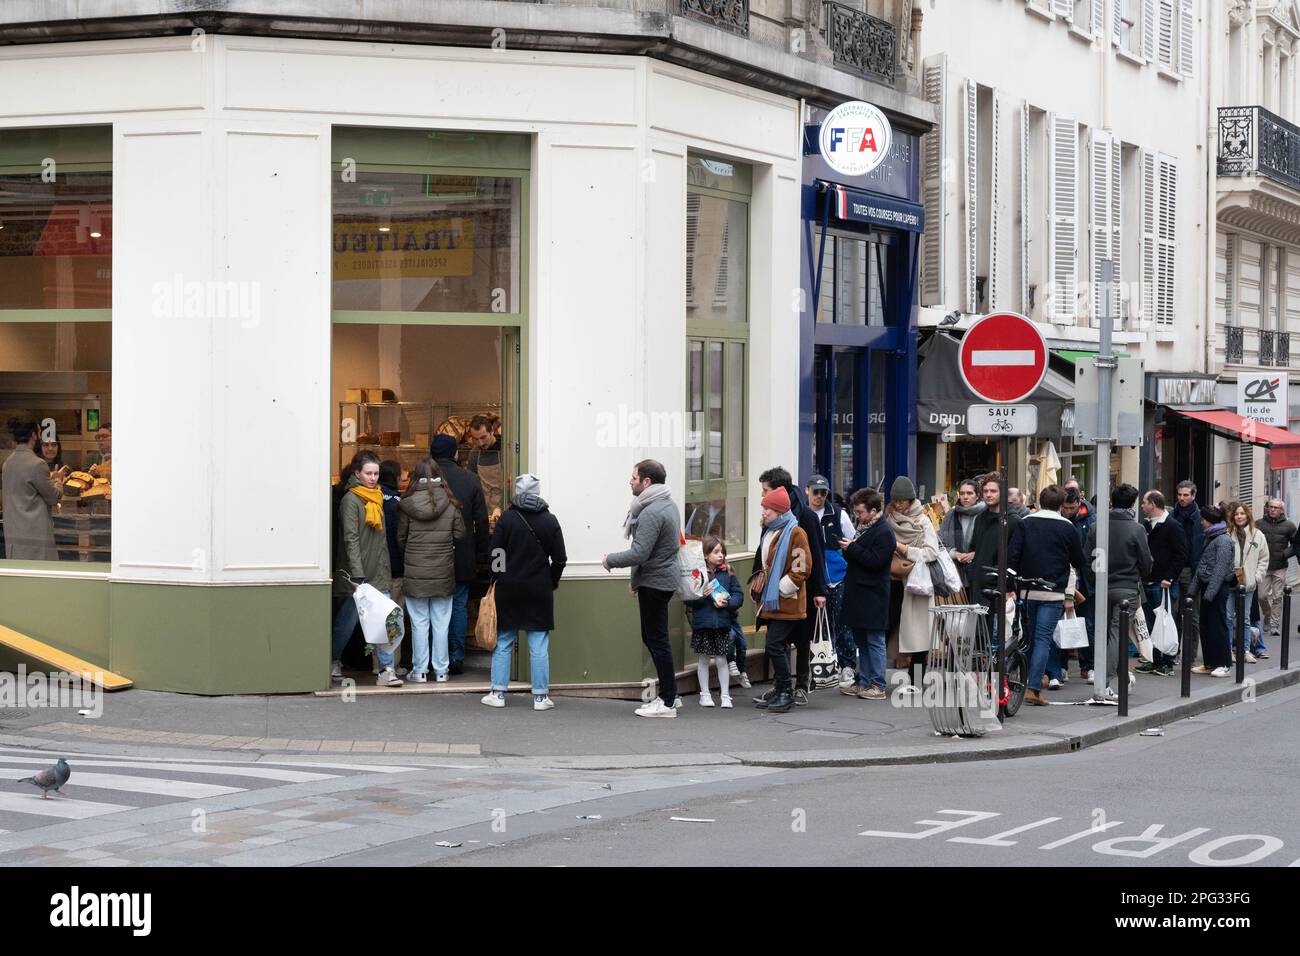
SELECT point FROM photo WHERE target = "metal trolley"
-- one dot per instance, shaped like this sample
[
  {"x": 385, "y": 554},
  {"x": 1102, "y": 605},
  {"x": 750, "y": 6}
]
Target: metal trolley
[{"x": 961, "y": 671}]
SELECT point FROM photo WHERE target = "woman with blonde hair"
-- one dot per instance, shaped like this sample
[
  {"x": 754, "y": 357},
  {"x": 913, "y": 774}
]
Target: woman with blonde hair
[{"x": 1250, "y": 564}]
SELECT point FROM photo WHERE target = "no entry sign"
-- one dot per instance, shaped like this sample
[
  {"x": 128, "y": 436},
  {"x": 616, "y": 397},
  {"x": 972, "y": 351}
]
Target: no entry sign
[{"x": 1003, "y": 357}]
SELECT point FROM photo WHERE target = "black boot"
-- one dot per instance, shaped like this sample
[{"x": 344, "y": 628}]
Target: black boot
[
  {"x": 781, "y": 701},
  {"x": 761, "y": 701}
]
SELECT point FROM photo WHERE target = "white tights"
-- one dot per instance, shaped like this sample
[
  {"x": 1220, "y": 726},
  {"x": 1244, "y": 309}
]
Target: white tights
[{"x": 724, "y": 674}]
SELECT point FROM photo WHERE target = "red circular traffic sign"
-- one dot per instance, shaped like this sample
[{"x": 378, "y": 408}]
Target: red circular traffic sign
[{"x": 1003, "y": 357}]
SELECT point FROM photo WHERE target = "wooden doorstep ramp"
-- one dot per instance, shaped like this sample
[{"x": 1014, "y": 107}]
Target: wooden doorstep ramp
[{"x": 59, "y": 660}]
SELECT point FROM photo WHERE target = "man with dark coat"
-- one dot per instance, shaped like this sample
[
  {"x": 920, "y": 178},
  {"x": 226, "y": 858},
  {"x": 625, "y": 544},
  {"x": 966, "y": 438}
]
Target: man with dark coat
[
  {"x": 1187, "y": 513},
  {"x": 1168, "y": 547},
  {"x": 866, "y": 592},
  {"x": 1128, "y": 564},
  {"x": 472, "y": 550}
]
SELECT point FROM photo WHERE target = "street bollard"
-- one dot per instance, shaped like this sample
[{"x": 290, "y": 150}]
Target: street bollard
[
  {"x": 1239, "y": 638},
  {"x": 1186, "y": 651},
  {"x": 1121, "y": 669},
  {"x": 1286, "y": 627}
]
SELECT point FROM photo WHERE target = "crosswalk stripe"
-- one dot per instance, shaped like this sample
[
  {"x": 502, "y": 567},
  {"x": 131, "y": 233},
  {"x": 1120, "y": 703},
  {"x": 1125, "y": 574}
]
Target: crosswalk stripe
[
  {"x": 68, "y": 808},
  {"x": 359, "y": 767},
  {"x": 183, "y": 789},
  {"x": 250, "y": 770}
]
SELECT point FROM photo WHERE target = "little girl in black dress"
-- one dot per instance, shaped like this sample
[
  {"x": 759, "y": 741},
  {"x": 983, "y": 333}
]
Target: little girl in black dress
[{"x": 711, "y": 619}]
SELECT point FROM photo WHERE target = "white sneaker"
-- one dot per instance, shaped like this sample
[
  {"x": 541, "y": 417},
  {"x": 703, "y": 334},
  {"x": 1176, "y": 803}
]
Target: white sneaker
[
  {"x": 1090, "y": 675},
  {"x": 726, "y": 702},
  {"x": 1251, "y": 658},
  {"x": 336, "y": 670},
  {"x": 493, "y": 698},
  {"x": 1053, "y": 684},
  {"x": 706, "y": 700},
  {"x": 678, "y": 704},
  {"x": 1132, "y": 680},
  {"x": 418, "y": 678},
  {"x": 386, "y": 678},
  {"x": 542, "y": 703},
  {"x": 847, "y": 677},
  {"x": 745, "y": 682},
  {"x": 733, "y": 669},
  {"x": 1111, "y": 694},
  {"x": 440, "y": 678},
  {"x": 1065, "y": 678},
  {"x": 1220, "y": 672},
  {"x": 656, "y": 708}
]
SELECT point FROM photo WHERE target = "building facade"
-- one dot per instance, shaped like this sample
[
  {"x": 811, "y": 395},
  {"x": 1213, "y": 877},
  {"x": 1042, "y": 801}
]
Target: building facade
[{"x": 250, "y": 247}]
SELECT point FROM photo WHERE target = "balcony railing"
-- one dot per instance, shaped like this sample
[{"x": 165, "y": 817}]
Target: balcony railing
[
  {"x": 731, "y": 15},
  {"x": 1267, "y": 341},
  {"x": 1234, "y": 339},
  {"x": 1253, "y": 141},
  {"x": 861, "y": 42},
  {"x": 1283, "y": 356}
]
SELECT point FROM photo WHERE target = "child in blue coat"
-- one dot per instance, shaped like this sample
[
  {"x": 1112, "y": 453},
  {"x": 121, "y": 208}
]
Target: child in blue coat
[{"x": 712, "y": 617}]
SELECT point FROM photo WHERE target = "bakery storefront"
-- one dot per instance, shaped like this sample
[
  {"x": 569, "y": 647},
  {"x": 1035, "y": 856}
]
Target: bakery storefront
[{"x": 213, "y": 295}]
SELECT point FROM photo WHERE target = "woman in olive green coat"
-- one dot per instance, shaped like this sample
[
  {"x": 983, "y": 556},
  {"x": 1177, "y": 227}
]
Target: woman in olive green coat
[{"x": 427, "y": 533}]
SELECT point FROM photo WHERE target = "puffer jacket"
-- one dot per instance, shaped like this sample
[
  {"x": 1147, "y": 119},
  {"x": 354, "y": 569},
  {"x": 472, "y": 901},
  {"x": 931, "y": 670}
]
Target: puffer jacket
[
  {"x": 427, "y": 533},
  {"x": 363, "y": 550},
  {"x": 1251, "y": 556},
  {"x": 1214, "y": 570},
  {"x": 1278, "y": 532}
]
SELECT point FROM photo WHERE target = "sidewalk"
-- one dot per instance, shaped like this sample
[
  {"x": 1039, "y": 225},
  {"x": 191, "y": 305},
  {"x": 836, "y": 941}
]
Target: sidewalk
[{"x": 596, "y": 733}]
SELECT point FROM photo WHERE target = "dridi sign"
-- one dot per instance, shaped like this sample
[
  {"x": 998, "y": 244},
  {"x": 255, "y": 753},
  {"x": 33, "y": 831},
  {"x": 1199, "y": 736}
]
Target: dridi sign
[{"x": 855, "y": 138}]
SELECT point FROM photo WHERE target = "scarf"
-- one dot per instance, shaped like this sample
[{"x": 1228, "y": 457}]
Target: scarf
[
  {"x": 374, "y": 499},
  {"x": 1216, "y": 529},
  {"x": 952, "y": 532},
  {"x": 784, "y": 526},
  {"x": 651, "y": 494},
  {"x": 910, "y": 525}
]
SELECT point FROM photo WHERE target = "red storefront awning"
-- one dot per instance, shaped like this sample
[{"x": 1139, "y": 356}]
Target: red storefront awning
[{"x": 1285, "y": 447}]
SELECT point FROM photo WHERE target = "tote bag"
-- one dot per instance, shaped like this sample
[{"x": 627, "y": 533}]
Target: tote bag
[
  {"x": 825, "y": 662},
  {"x": 485, "y": 627},
  {"x": 919, "y": 581},
  {"x": 1164, "y": 632}
]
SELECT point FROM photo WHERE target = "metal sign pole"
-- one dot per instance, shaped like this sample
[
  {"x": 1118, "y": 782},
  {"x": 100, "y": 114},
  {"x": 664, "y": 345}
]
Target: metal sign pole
[
  {"x": 1001, "y": 600},
  {"x": 1100, "y": 556}
]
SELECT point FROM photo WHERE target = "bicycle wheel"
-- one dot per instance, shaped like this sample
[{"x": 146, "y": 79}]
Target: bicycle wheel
[{"x": 1017, "y": 670}]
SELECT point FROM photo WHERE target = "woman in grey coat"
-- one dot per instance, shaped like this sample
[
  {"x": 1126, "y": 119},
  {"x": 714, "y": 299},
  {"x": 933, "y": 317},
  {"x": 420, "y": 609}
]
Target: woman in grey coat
[
  {"x": 1213, "y": 585},
  {"x": 958, "y": 525},
  {"x": 431, "y": 523}
]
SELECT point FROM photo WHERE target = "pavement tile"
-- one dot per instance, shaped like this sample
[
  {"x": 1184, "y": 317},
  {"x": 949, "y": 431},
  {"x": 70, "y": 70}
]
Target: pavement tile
[
  {"x": 367, "y": 746},
  {"x": 261, "y": 841},
  {"x": 311, "y": 745},
  {"x": 272, "y": 743},
  {"x": 335, "y": 746},
  {"x": 87, "y": 854},
  {"x": 399, "y": 747},
  {"x": 433, "y": 748},
  {"x": 468, "y": 749}
]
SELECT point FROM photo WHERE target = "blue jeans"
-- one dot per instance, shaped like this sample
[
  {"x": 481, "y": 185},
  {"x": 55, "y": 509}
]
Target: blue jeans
[
  {"x": 345, "y": 622},
  {"x": 870, "y": 646},
  {"x": 539, "y": 661},
  {"x": 739, "y": 649},
  {"x": 1156, "y": 596},
  {"x": 1041, "y": 618},
  {"x": 429, "y": 618},
  {"x": 459, "y": 621},
  {"x": 1251, "y": 644}
]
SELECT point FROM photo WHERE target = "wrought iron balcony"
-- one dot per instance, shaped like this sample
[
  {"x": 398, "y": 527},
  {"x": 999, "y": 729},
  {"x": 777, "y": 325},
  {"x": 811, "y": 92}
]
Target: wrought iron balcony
[
  {"x": 1255, "y": 142},
  {"x": 1267, "y": 340},
  {"x": 1284, "y": 349},
  {"x": 1234, "y": 339},
  {"x": 860, "y": 42},
  {"x": 729, "y": 14}
]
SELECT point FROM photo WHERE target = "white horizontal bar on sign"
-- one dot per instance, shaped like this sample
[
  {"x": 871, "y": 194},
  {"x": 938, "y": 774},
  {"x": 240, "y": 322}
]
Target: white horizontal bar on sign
[
  {"x": 56, "y": 806},
  {"x": 183, "y": 789},
  {"x": 1003, "y": 357}
]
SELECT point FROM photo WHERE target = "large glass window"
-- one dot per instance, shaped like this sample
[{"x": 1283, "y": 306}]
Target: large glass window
[
  {"x": 717, "y": 322},
  {"x": 855, "y": 272},
  {"x": 56, "y": 232}
]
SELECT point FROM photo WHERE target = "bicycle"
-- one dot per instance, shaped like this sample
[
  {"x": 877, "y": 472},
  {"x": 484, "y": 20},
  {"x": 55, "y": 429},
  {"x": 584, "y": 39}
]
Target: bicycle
[{"x": 1020, "y": 646}]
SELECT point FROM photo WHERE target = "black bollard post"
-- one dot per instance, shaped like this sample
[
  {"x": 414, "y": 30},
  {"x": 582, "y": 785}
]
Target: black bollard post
[
  {"x": 997, "y": 613},
  {"x": 1239, "y": 637},
  {"x": 1186, "y": 651},
  {"x": 1286, "y": 627},
  {"x": 1121, "y": 665}
]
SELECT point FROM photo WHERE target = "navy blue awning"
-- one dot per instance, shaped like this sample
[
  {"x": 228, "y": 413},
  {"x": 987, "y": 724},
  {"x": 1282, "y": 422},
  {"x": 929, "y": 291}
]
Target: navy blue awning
[{"x": 845, "y": 204}]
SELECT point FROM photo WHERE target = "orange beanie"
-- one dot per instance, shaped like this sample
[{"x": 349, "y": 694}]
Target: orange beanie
[{"x": 778, "y": 500}]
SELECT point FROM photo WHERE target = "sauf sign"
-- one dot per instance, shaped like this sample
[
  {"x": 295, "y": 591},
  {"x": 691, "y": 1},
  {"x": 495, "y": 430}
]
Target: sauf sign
[
  {"x": 855, "y": 138},
  {"x": 1263, "y": 397}
]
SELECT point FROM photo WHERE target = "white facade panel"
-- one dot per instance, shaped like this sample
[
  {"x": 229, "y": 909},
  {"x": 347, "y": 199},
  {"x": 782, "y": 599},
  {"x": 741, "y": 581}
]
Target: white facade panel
[{"x": 86, "y": 78}]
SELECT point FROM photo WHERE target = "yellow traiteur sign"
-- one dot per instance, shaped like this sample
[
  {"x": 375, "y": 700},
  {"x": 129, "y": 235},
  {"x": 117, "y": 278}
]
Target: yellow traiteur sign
[{"x": 416, "y": 248}]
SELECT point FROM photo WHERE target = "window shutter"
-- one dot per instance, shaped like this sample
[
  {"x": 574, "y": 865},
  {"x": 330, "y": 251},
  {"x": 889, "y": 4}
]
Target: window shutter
[
  {"x": 1165, "y": 42},
  {"x": 1062, "y": 222},
  {"x": 1024, "y": 206},
  {"x": 1064, "y": 8},
  {"x": 692, "y": 227},
  {"x": 1148, "y": 203},
  {"x": 933, "y": 153},
  {"x": 971, "y": 193},
  {"x": 1149, "y": 30},
  {"x": 995, "y": 206},
  {"x": 1116, "y": 224},
  {"x": 1186, "y": 33},
  {"x": 1100, "y": 194},
  {"x": 1230, "y": 279},
  {"x": 720, "y": 287},
  {"x": 1117, "y": 22},
  {"x": 1167, "y": 240},
  {"x": 1099, "y": 17}
]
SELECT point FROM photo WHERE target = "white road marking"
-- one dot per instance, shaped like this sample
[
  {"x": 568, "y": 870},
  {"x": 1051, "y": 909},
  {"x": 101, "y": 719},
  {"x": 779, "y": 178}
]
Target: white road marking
[
  {"x": 997, "y": 838},
  {"x": 251, "y": 770},
  {"x": 364, "y": 767},
  {"x": 66, "y": 807},
  {"x": 936, "y": 826},
  {"x": 1091, "y": 831},
  {"x": 183, "y": 789},
  {"x": 1003, "y": 357}
]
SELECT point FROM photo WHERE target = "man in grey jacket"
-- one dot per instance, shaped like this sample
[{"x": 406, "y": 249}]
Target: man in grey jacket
[
  {"x": 1127, "y": 566},
  {"x": 654, "y": 527}
]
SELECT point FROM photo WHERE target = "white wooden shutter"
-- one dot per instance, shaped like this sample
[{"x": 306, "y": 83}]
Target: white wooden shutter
[
  {"x": 1099, "y": 17},
  {"x": 970, "y": 100},
  {"x": 1186, "y": 44},
  {"x": 1099, "y": 149},
  {"x": 1148, "y": 203},
  {"x": 1024, "y": 207},
  {"x": 1165, "y": 35},
  {"x": 692, "y": 228},
  {"x": 995, "y": 206},
  {"x": 1063, "y": 215},
  {"x": 1149, "y": 30},
  {"x": 1064, "y": 8},
  {"x": 1116, "y": 224},
  {"x": 1230, "y": 279},
  {"x": 1167, "y": 239},
  {"x": 933, "y": 196}
]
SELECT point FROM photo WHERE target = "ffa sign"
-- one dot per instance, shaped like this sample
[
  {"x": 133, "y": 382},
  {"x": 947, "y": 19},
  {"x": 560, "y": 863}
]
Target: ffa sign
[
  {"x": 1263, "y": 397},
  {"x": 855, "y": 137}
]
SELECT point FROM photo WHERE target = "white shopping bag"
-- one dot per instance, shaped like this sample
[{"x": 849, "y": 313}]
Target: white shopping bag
[
  {"x": 1071, "y": 632},
  {"x": 1137, "y": 630},
  {"x": 692, "y": 570},
  {"x": 381, "y": 619},
  {"x": 919, "y": 581},
  {"x": 825, "y": 662},
  {"x": 1164, "y": 631},
  {"x": 951, "y": 576}
]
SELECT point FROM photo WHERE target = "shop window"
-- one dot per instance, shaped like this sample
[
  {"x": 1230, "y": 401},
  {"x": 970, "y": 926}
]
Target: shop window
[
  {"x": 717, "y": 321},
  {"x": 56, "y": 233},
  {"x": 855, "y": 271}
]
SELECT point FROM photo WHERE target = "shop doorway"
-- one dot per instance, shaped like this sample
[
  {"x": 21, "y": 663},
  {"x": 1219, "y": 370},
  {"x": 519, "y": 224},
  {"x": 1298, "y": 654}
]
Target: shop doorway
[{"x": 850, "y": 417}]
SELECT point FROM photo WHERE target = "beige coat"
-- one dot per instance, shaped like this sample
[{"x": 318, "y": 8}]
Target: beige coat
[
  {"x": 1253, "y": 558},
  {"x": 913, "y": 633},
  {"x": 29, "y": 498}
]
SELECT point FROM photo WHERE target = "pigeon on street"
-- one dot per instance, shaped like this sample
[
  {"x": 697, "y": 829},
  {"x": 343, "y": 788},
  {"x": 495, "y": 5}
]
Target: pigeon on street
[{"x": 51, "y": 779}]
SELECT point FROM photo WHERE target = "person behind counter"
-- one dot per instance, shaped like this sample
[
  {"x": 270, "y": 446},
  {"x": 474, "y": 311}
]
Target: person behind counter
[
  {"x": 485, "y": 461},
  {"x": 30, "y": 492},
  {"x": 52, "y": 454},
  {"x": 100, "y": 466}
]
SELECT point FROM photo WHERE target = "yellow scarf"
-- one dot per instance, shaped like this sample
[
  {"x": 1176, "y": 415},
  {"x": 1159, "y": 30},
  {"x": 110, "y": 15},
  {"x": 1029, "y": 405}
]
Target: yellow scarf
[{"x": 374, "y": 499}]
